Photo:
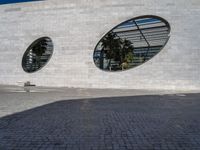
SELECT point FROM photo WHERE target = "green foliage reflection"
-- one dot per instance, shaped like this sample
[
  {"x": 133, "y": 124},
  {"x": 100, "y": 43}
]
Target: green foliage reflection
[
  {"x": 131, "y": 43},
  {"x": 117, "y": 51}
]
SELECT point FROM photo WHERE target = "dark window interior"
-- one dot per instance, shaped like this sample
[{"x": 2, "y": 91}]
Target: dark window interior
[{"x": 37, "y": 55}]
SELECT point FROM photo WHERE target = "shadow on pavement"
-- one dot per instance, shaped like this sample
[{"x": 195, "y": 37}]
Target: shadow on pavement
[{"x": 121, "y": 123}]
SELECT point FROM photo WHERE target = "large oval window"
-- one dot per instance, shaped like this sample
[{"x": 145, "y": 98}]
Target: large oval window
[
  {"x": 131, "y": 43},
  {"x": 37, "y": 54}
]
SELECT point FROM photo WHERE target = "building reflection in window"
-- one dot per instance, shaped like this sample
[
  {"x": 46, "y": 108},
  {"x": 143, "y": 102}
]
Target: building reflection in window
[
  {"x": 131, "y": 43},
  {"x": 37, "y": 55}
]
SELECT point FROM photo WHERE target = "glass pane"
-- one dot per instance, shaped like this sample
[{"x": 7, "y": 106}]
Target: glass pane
[
  {"x": 131, "y": 43},
  {"x": 37, "y": 55}
]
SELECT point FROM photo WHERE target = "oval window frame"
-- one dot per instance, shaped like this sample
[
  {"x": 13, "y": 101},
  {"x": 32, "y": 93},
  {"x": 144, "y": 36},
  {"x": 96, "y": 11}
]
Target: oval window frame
[
  {"x": 30, "y": 47},
  {"x": 134, "y": 18}
]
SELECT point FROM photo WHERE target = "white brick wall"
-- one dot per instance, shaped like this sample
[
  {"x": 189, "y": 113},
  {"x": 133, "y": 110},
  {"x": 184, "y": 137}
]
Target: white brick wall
[{"x": 76, "y": 26}]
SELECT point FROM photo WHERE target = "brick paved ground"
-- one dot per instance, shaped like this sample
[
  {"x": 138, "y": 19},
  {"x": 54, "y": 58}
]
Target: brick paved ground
[{"x": 169, "y": 122}]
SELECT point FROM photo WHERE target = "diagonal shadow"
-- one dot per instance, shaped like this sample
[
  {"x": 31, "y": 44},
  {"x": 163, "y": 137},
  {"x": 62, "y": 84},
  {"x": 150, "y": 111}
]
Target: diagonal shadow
[{"x": 134, "y": 122}]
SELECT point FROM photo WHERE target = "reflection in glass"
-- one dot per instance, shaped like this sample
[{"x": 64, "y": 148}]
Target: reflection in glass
[
  {"x": 131, "y": 43},
  {"x": 37, "y": 55}
]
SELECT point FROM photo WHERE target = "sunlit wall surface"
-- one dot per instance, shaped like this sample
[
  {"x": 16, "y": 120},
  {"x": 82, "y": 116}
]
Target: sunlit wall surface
[{"x": 77, "y": 26}]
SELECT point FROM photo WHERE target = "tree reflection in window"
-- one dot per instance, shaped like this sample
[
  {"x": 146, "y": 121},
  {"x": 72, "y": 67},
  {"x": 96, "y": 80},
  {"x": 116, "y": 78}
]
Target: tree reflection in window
[
  {"x": 131, "y": 43},
  {"x": 37, "y": 55}
]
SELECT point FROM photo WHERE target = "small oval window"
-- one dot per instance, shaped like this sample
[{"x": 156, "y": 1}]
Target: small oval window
[
  {"x": 37, "y": 55},
  {"x": 131, "y": 43}
]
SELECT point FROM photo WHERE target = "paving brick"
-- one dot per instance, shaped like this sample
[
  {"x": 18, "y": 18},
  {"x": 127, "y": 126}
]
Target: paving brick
[{"x": 167, "y": 122}]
